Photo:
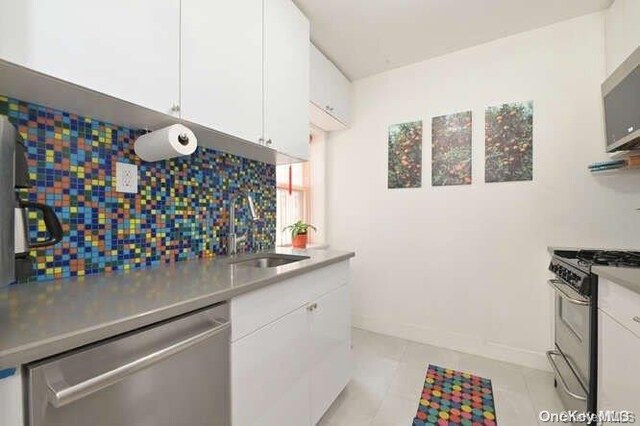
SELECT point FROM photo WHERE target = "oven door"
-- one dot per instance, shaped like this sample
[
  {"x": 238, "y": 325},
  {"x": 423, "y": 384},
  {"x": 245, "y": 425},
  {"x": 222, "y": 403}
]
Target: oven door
[{"x": 570, "y": 360}]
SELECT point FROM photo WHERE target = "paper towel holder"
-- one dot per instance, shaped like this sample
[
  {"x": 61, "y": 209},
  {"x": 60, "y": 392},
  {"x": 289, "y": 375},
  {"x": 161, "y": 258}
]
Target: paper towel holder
[
  {"x": 165, "y": 143},
  {"x": 183, "y": 138}
]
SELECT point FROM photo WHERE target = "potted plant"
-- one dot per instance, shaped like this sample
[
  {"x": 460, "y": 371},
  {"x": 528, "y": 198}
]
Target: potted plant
[{"x": 299, "y": 234}]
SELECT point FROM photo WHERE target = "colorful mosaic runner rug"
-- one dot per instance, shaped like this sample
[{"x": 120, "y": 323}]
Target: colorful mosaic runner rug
[{"x": 451, "y": 398}]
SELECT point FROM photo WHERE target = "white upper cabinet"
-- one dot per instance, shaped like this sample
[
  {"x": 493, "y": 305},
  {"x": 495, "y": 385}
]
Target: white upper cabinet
[
  {"x": 330, "y": 93},
  {"x": 128, "y": 49},
  {"x": 237, "y": 67},
  {"x": 286, "y": 78},
  {"x": 222, "y": 66}
]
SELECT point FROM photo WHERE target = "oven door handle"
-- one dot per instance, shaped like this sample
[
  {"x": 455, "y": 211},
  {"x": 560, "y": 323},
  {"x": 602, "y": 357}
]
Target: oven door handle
[
  {"x": 556, "y": 370},
  {"x": 569, "y": 294}
]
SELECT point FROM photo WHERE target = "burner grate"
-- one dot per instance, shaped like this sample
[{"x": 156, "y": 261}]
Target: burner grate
[{"x": 610, "y": 258}]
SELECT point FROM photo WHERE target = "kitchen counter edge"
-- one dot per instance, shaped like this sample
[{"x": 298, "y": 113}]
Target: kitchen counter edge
[
  {"x": 57, "y": 344},
  {"x": 626, "y": 277}
]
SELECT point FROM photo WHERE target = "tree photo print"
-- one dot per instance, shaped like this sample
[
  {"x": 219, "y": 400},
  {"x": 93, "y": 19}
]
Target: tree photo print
[
  {"x": 405, "y": 155},
  {"x": 451, "y": 149},
  {"x": 509, "y": 142}
]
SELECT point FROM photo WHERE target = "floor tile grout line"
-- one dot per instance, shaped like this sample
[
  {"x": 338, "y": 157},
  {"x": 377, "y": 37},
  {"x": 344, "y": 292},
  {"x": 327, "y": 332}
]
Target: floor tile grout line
[
  {"x": 400, "y": 360},
  {"x": 536, "y": 408},
  {"x": 387, "y": 388}
]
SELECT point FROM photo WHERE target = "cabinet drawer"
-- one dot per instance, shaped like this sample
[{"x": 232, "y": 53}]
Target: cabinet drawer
[
  {"x": 620, "y": 303},
  {"x": 258, "y": 308}
]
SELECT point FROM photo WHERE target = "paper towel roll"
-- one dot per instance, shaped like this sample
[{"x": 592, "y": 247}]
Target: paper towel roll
[{"x": 165, "y": 143}]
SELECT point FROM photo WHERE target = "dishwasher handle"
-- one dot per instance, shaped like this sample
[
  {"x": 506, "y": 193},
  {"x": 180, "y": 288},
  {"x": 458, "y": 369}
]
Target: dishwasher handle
[{"x": 61, "y": 394}]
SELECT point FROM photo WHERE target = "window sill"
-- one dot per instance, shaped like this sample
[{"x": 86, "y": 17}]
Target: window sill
[{"x": 312, "y": 246}]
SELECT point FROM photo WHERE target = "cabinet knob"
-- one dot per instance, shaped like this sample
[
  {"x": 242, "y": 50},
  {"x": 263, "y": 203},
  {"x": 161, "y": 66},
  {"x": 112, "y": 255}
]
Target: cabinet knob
[
  {"x": 269, "y": 142},
  {"x": 175, "y": 108},
  {"x": 637, "y": 319},
  {"x": 312, "y": 307},
  {"x": 261, "y": 141}
]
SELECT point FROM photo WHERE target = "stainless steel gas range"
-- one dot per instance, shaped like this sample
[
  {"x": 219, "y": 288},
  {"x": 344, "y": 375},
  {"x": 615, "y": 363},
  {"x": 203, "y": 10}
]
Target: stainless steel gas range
[{"x": 575, "y": 357}]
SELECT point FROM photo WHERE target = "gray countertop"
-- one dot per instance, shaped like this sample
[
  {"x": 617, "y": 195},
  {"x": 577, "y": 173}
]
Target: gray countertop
[
  {"x": 38, "y": 320},
  {"x": 628, "y": 277}
]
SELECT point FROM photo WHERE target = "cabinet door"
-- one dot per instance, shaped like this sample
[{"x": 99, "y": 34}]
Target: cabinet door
[
  {"x": 340, "y": 93},
  {"x": 330, "y": 89},
  {"x": 270, "y": 374},
  {"x": 286, "y": 74},
  {"x": 222, "y": 66},
  {"x": 128, "y": 49},
  {"x": 331, "y": 349},
  {"x": 319, "y": 77},
  {"x": 11, "y": 400},
  {"x": 618, "y": 366}
]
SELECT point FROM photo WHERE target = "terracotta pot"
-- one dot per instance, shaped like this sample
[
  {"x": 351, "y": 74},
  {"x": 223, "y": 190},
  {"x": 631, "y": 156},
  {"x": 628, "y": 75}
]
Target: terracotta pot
[{"x": 300, "y": 241}]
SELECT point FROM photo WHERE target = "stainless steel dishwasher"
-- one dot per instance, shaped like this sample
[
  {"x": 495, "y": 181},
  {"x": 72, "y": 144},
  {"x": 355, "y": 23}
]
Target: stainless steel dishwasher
[{"x": 173, "y": 373}]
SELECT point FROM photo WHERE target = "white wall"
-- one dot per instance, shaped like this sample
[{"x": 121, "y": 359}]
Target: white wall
[
  {"x": 317, "y": 159},
  {"x": 622, "y": 29},
  {"x": 465, "y": 267}
]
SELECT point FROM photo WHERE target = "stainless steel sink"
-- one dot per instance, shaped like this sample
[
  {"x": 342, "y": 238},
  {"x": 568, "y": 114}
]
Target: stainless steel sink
[{"x": 268, "y": 260}]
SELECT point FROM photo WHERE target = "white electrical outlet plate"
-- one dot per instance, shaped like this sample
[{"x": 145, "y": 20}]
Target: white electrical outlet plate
[{"x": 127, "y": 178}]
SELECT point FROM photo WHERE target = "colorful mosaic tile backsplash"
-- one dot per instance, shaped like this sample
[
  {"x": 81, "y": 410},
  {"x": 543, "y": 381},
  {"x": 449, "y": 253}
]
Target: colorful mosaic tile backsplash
[{"x": 180, "y": 211}]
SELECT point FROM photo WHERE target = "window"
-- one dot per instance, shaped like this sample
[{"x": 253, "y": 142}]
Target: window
[
  {"x": 293, "y": 198},
  {"x": 300, "y": 192}
]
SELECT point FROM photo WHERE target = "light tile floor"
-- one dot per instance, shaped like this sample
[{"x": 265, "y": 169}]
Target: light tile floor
[{"x": 389, "y": 373}]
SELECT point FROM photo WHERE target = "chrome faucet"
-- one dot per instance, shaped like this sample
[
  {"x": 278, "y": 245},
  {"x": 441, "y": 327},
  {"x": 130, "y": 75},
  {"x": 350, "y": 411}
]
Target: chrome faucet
[{"x": 233, "y": 239}]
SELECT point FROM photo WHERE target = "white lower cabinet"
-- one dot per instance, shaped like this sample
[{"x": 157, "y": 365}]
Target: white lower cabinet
[
  {"x": 330, "y": 350},
  {"x": 270, "y": 380},
  {"x": 618, "y": 366},
  {"x": 289, "y": 370},
  {"x": 11, "y": 402}
]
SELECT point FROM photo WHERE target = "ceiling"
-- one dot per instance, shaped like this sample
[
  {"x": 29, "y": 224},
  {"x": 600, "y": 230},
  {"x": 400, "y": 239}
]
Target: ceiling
[{"x": 365, "y": 37}]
